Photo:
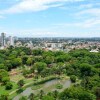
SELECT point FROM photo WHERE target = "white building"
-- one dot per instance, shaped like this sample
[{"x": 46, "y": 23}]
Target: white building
[
  {"x": 11, "y": 40},
  {"x": 3, "y": 36}
]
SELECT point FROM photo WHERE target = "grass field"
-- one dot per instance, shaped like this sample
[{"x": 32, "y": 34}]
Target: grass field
[
  {"x": 16, "y": 78},
  {"x": 3, "y": 91}
]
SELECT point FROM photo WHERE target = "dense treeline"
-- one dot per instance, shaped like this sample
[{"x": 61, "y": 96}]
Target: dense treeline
[{"x": 80, "y": 64}]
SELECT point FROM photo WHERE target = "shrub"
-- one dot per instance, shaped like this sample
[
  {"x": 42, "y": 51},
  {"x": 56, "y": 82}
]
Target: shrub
[
  {"x": 9, "y": 86},
  {"x": 73, "y": 78},
  {"x": 59, "y": 86},
  {"x": 23, "y": 98},
  {"x": 4, "y": 96},
  {"x": 5, "y": 80},
  {"x": 20, "y": 83}
]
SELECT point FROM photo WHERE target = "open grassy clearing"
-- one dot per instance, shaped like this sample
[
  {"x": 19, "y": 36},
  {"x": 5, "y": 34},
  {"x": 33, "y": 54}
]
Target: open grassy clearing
[{"x": 16, "y": 78}]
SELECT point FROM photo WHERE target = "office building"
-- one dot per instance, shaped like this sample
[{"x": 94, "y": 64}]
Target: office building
[
  {"x": 3, "y": 36},
  {"x": 11, "y": 39}
]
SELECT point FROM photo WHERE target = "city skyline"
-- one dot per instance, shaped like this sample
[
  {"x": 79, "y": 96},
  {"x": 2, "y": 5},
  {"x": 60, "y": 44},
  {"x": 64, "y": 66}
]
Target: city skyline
[{"x": 50, "y": 18}]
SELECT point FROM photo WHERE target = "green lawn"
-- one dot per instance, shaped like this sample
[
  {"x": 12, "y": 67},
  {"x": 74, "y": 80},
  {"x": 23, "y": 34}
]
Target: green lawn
[
  {"x": 16, "y": 78},
  {"x": 3, "y": 91},
  {"x": 28, "y": 80}
]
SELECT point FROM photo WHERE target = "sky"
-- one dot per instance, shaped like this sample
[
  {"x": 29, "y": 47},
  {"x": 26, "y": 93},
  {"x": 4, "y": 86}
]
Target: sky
[{"x": 50, "y": 18}]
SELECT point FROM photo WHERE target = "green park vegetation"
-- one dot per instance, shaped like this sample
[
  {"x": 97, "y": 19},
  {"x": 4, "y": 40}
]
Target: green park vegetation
[{"x": 22, "y": 67}]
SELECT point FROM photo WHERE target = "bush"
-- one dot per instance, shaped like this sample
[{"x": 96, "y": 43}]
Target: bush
[
  {"x": 59, "y": 86},
  {"x": 5, "y": 80},
  {"x": 76, "y": 93},
  {"x": 73, "y": 78},
  {"x": 45, "y": 80},
  {"x": 47, "y": 97},
  {"x": 20, "y": 83},
  {"x": 4, "y": 97},
  {"x": 9, "y": 86},
  {"x": 23, "y": 98},
  {"x": 20, "y": 90}
]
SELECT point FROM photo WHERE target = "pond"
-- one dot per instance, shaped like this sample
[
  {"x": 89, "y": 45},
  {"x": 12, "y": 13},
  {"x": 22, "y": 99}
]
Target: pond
[{"x": 47, "y": 87}]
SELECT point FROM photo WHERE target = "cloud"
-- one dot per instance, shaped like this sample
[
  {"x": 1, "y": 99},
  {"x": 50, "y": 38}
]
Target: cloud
[
  {"x": 89, "y": 5},
  {"x": 91, "y": 23},
  {"x": 92, "y": 11},
  {"x": 2, "y": 17},
  {"x": 82, "y": 6},
  {"x": 86, "y": 24},
  {"x": 35, "y": 5}
]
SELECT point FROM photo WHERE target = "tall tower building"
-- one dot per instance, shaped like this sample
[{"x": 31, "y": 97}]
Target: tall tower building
[
  {"x": 11, "y": 39},
  {"x": 3, "y": 36}
]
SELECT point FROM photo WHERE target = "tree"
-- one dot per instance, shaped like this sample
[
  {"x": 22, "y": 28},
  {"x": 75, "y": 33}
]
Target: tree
[
  {"x": 85, "y": 69},
  {"x": 9, "y": 86},
  {"x": 37, "y": 52},
  {"x": 5, "y": 80},
  {"x": 49, "y": 59},
  {"x": 39, "y": 66},
  {"x": 41, "y": 94},
  {"x": 46, "y": 72},
  {"x": 73, "y": 78},
  {"x": 55, "y": 94},
  {"x": 22, "y": 53},
  {"x": 31, "y": 96},
  {"x": 25, "y": 72},
  {"x": 24, "y": 59},
  {"x": 20, "y": 83},
  {"x": 23, "y": 98},
  {"x": 8, "y": 65},
  {"x": 4, "y": 97},
  {"x": 91, "y": 82},
  {"x": 97, "y": 92},
  {"x": 2, "y": 66},
  {"x": 16, "y": 62},
  {"x": 29, "y": 61},
  {"x": 76, "y": 93},
  {"x": 79, "y": 53},
  {"x": 4, "y": 77},
  {"x": 47, "y": 97}
]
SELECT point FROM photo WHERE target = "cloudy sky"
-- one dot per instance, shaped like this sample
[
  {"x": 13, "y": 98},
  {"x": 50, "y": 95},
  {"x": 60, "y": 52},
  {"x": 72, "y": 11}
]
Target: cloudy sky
[{"x": 50, "y": 18}]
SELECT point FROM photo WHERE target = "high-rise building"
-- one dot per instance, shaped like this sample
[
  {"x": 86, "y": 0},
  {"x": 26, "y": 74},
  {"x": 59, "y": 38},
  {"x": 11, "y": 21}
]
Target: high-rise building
[
  {"x": 3, "y": 36},
  {"x": 11, "y": 39}
]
